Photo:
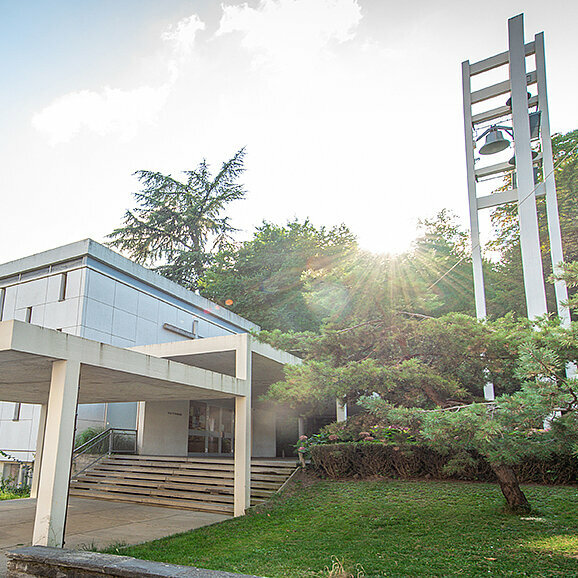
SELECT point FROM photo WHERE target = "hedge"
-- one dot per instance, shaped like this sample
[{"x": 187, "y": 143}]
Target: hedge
[{"x": 362, "y": 459}]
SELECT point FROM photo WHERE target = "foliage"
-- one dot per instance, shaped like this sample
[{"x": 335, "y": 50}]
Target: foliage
[
  {"x": 86, "y": 435},
  {"x": 440, "y": 262},
  {"x": 395, "y": 444},
  {"x": 9, "y": 490},
  {"x": 570, "y": 275},
  {"x": 177, "y": 226},
  {"x": 512, "y": 430},
  {"x": 298, "y": 277},
  {"x": 377, "y": 435},
  {"x": 409, "y": 376},
  {"x": 390, "y": 528},
  {"x": 416, "y": 460},
  {"x": 407, "y": 361},
  {"x": 266, "y": 278}
]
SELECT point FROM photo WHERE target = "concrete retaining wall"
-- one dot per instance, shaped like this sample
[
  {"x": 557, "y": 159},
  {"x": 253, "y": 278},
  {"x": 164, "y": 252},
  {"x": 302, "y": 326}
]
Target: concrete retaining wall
[{"x": 39, "y": 561}]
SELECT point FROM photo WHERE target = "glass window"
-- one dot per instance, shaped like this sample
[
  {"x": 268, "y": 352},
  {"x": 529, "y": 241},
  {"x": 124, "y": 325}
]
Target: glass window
[
  {"x": 227, "y": 446},
  {"x": 197, "y": 444},
  {"x": 227, "y": 420},
  {"x": 213, "y": 445},
  {"x": 197, "y": 415},
  {"x": 213, "y": 420}
]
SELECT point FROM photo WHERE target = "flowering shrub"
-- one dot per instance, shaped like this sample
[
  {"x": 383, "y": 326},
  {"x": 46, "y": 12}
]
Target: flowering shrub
[
  {"x": 377, "y": 434},
  {"x": 304, "y": 443}
]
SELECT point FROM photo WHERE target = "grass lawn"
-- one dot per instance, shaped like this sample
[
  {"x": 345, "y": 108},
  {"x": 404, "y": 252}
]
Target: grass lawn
[
  {"x": 13, "y": 495},
  {"x": 388, "y": 528}
]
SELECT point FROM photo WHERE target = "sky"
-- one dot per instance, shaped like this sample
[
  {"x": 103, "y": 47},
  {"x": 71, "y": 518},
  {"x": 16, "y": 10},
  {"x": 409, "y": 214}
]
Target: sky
[{"x": 350, "y": 110}]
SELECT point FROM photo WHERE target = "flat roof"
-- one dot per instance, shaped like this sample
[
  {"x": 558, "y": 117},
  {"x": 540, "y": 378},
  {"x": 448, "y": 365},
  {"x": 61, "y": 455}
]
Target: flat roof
[
  {"x": 108, "y": 373},
  {"x": 94, "y": 250}
]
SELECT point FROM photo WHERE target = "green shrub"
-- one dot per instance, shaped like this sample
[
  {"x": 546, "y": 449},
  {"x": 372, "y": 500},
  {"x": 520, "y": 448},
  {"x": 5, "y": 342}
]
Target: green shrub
[
  {"x": 88, "y": 434},
  {"x": 10, "y": 490},
  {"x": 409, "y": 460}
]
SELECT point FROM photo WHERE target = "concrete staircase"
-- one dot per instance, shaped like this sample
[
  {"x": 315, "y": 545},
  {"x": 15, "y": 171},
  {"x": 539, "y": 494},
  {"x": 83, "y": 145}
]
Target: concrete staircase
[{"x": 202, "y": 484}]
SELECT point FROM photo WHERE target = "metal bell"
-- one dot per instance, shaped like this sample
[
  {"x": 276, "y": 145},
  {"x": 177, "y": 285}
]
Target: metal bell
[{"x": 495, "y": 142}]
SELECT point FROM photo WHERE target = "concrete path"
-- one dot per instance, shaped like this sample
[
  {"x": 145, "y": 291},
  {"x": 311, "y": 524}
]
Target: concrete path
[{"x": 98, "y": 523}]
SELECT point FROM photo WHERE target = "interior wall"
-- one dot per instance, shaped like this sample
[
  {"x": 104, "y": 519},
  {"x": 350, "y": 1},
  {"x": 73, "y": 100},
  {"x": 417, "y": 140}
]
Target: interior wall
[
  {"x": 264, "y": 433},
  {"x": 163, "y": 428}
]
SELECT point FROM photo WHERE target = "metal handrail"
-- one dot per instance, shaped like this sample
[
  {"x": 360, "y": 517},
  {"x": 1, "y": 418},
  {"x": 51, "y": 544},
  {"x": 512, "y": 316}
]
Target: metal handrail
[
  {"x": 92, "y": 441},
  {"x": 98, "y": 439}
]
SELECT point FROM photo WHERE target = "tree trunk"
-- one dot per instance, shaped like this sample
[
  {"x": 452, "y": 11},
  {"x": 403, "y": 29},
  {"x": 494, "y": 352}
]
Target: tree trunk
[{"x": 510, "y": 487}]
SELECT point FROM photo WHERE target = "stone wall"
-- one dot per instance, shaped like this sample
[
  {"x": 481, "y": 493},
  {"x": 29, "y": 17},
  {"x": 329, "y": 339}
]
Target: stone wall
[{"x": 39, "y": 561}]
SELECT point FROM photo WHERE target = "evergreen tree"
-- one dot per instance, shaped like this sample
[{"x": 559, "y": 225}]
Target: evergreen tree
[{"x": 177, "y": 227}]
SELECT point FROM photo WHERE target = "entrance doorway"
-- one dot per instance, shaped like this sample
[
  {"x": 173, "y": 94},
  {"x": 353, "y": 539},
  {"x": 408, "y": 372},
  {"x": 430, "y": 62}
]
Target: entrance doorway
[{"x": 211, "y": 426}]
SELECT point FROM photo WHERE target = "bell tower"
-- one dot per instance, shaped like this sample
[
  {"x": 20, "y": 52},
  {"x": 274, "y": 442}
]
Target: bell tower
[{"x": 521, "y": 121}]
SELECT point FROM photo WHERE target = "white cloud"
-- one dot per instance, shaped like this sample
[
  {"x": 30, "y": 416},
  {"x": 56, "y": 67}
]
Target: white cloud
[
  {"x": 289, "y": 31},
  {"x": 105, "y": 112},
  {"x": 183, "y": 34},
  {"x": 181, "y": 38},
  {"x": 116, "y": 111}
]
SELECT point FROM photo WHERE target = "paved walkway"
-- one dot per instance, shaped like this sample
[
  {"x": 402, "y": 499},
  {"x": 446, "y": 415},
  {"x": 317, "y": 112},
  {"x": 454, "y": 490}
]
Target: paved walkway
[{"x": 98, "y": 523}]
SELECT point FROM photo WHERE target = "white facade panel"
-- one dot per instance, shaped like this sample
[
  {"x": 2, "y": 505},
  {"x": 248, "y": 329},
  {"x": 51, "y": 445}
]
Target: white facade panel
[
  {"x": 163, "y": 428},
  {"x": 32, "y": 293},
  {"x": 9, "y": 308},
  {"x": 19, "y": 437},
  {"x": 75, "y": 330},
  {"x": 98, "y": 315},
  {"x": 122, "y": 342},
  {"x": 19, "y": 314},
  {"x": 62, "y": 314},
  {"x": 148, "y": 307},
  {"x": 99, "y": 287},
  {"x": 53, "y": 290},
  {"x": 184, "y": 320},
  {"x": 74, "y": 283},
  {"x": 37, "y": 315},
  {"x": 146, "y": 332},
  {"x": 124, "y": 325},
  {"x": 95, "y": 335},
  {"x": 125, "y": 298},
  {"x": 167, "y": 314}
]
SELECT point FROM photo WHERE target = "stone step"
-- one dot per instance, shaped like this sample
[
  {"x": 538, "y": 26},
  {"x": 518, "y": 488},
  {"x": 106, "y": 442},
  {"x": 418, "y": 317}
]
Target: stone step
[
  {"x": 207, "y": 465},
  {"x": 281, "y": 462},
  {"x": 98, "y": 475},
  {"x": 204, "y": 484},
  {"x": 154, "y": 501}
]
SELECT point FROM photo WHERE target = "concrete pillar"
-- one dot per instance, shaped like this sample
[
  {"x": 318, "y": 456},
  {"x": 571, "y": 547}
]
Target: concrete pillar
[
  {"x": 52, "y": 500},
  {"x": 39, "y": 450},
  {"x": 341, "y": 411},
  {"x": 301, "y": 425},
  {"x": 243, "y": 429}
]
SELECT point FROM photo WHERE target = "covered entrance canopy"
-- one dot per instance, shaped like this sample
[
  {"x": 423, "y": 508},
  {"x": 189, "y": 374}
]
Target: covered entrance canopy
[
  {"x": 223, "y": 356},
  {"x": 108, "y": 374},
  {"x": 57, "y": 370}
]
